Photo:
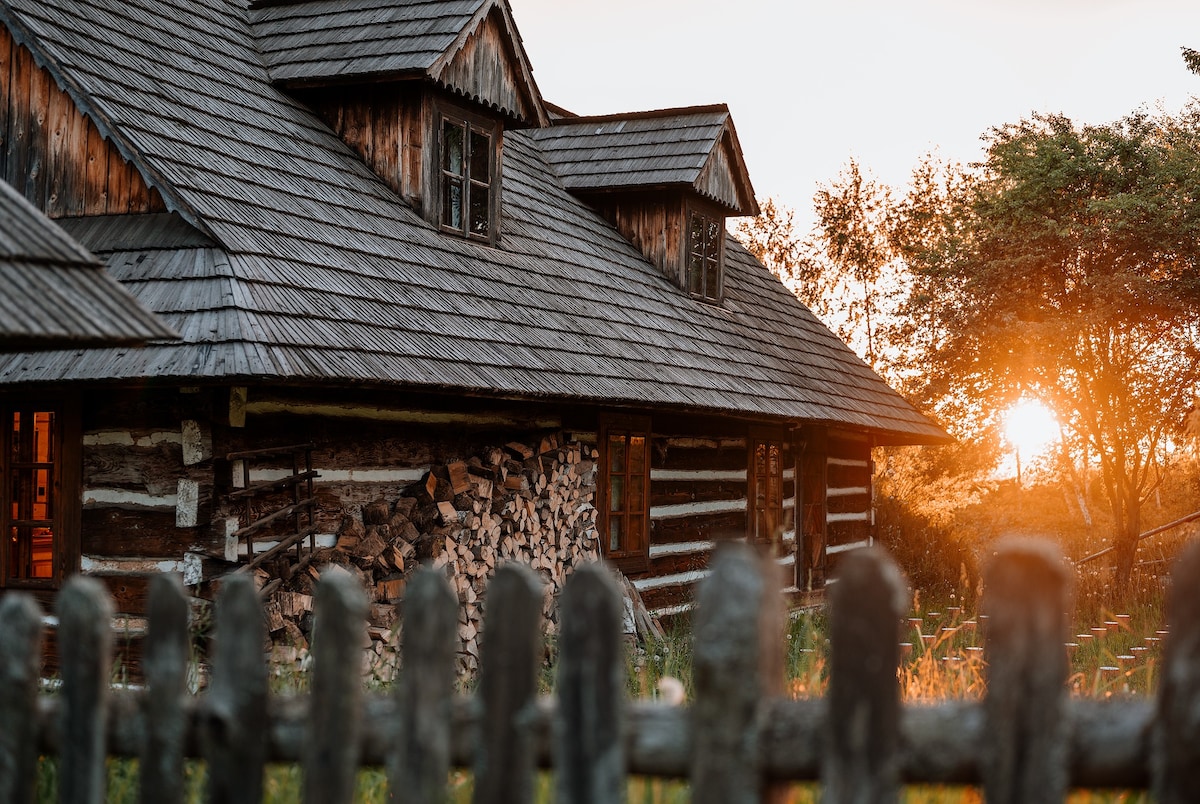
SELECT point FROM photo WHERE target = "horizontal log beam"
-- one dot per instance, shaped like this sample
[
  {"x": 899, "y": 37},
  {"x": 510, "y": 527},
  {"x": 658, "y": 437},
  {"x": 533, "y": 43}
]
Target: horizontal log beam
[{"x": 940, "y": 744}]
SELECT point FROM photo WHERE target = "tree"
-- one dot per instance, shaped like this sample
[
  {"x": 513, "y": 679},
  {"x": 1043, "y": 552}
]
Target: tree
[
  {"x": 772, "y": 238},
  {"x": 1069, "y": 267}
]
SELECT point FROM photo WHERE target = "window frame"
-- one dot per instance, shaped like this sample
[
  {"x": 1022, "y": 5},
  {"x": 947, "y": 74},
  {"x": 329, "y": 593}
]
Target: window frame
[
  {"x": 66, "y": 484},
  {"x": 755, "y": 481},
  {"x": 633, "y": 558},
  {"x": 470, "y": 123},
  {"x": 712, "y": 254}
]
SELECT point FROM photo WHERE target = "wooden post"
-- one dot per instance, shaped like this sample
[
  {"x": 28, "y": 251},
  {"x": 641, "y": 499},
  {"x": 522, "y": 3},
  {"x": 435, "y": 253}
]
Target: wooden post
[
  {"x": 20, "y": 661},
  {"x": 861, "y": 761},
  {"x": 1176, "y": 734},
  {"x": 165, "y": 665},
  {"x": 590, "y": 760},
  {"x": 235, "y": 719},
  {"x": 504, "y": 760},
  {"x": 419, "y": 762},
  {"x": 85, "y": 653},
  {"x": 1024, "y": 751},
  {"x": 732, "y": 678},
  {"x": 336, "y": 701}
]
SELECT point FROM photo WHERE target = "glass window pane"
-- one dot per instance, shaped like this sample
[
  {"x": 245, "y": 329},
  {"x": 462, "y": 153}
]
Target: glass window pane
[
  {"x": 637, "y": 485},
  {"x": 616, "y": 454},
  {"x": 43, "y": 436},
  {"x": 42, "y": 504},
  {"x": 637, "y": 455},
  {"x": 712, "y": 235},
  {"x": 481, "y": 153},
  {"x": 452, "y": 147},
  {"x": 480, "y": 208},
  {"x": 636, "y": 540},
  {"x": 695, "y": 275},
  {"x": 712, "y": 276},
  {"x": 616, "y": 533},
  {"x": 452, "y": 203},
  {"x": 41, "y": 557},
  {"x": 616, "y": 493}
]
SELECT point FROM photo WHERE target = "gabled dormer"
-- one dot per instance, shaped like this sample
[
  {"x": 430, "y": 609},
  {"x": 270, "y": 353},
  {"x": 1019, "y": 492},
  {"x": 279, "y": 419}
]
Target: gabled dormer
[
  {"x": 666, "y": 179},
  {"x": 422, "y": 90}
]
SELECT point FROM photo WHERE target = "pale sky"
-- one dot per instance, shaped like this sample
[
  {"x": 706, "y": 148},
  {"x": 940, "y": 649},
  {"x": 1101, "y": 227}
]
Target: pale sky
[{"x": 812, "y": 84}]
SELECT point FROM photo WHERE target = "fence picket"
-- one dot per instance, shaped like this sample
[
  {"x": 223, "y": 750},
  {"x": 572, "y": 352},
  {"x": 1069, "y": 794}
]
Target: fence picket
[
  {"x": 335, "y": 712},
  {"x": 20, "y": 661},
  {"x": 165, "y": 666},
  {"x": 1024, "y": 754},
  {"x": 235, "y": 718},
  {"x": 419, "y": 761},
  {"x": 504, "y": 760},
  {"x": 861, "y": 761},
  {"x": 590, "y": 761},
  {"x": 731, "y": 677},
  {"x": 1176, "y": 735},
  {"x": 85, "y": 653}
]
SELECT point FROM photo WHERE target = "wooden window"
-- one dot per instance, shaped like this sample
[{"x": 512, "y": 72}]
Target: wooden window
[
  {"x": 625, "y": 490},
  {"x": 37, "y": 505},
  {"x": 468, "y": 190},
  {"x": 705, "y": 256},
  {"x": 766, "y": 490}
]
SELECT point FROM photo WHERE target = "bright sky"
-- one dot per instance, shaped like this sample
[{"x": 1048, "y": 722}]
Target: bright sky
[{"x": 812, "y": 84}]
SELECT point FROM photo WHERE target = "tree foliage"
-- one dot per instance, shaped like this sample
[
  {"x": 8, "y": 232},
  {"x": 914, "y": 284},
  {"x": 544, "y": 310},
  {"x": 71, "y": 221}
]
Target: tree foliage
[{"x": 1066, "y": 267}]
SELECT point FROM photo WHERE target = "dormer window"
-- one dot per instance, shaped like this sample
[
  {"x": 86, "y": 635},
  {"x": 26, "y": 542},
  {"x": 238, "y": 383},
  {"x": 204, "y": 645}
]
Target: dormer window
[
  {"x": 706, "y": 247},
  {"x": 469, "y": 186}
]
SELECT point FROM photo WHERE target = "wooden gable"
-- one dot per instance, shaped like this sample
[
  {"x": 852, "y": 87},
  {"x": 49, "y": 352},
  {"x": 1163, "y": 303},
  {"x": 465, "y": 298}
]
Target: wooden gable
[
  {"x": 53, "y": 153},
  {"x": 488, "y": 65},
  {"x": 724, "y": 177}
]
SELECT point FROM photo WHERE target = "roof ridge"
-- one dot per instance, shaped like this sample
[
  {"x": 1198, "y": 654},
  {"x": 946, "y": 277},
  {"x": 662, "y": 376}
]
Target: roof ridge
[{"x": 675, "y": 111}]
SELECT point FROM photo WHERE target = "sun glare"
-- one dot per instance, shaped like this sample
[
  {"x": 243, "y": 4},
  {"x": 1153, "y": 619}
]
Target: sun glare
[{"x": 1030, "y": 428}]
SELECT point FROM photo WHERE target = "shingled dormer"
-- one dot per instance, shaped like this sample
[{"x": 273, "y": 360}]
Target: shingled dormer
[
  {"x": 422, "y": 90},
  {"x": 666, "y": 179}
]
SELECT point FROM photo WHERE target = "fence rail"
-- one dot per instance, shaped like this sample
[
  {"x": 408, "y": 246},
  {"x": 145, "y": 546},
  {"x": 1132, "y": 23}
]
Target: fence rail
[{"x": 737, "y": 741}]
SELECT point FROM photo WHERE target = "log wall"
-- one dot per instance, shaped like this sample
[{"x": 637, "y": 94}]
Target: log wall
[{"x": 53, "y": 153}]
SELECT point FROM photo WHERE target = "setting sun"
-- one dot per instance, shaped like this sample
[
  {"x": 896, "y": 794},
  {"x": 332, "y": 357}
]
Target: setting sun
[{"x": 1030, "y": 428}]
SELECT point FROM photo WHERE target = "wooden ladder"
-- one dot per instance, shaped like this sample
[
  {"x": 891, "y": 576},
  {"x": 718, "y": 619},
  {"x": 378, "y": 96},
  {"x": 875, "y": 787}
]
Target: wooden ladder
[{"x": 300, "y": 510}]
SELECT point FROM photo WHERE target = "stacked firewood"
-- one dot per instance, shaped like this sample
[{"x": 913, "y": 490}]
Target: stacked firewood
[{"x": 534, "y": 504}]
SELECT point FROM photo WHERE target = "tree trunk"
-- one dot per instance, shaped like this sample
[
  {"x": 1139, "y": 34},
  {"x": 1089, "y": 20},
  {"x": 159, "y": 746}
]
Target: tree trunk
[{"x": 1125, "y": 542}]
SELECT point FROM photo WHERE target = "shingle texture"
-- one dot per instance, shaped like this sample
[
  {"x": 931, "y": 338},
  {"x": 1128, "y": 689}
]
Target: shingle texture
[
  {"x": 668, "y": 148},
  {"x": 321, "y": 273},
  {"x": 329, "y": 39},
  {"x": 57, "y": 294}
]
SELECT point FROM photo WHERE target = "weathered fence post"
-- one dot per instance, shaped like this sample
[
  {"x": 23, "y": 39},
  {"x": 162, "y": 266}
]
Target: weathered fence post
[
  {"x": 732, "y": 677},
  {"x": 20, "y": 663},
  {"x": 419, "y": 763},
  {"x": 590, "y": 760},
  {"x": 85, "y": 653},
  {"x": 861, "y": 763},
  {"x": 504, "y": 760},
  {"x": 332, "y": 738},
  {"x": 1176, "y": 736},
  {"x": 1024, "y": 754},
  {"x": 165, "y": 665},
  {"x": 235, "y": 719}
]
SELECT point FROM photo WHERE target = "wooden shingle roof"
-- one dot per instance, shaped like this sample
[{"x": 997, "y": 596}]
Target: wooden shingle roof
[
  {"x": 55, "y": 293},
  {"x": 694, "y": 148},
  {"x": 319, "y": 272},
  {"x": 313, "y": 42}
]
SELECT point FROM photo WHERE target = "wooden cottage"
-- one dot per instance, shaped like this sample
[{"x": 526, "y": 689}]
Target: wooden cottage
[{"x": 424, "y": 314}]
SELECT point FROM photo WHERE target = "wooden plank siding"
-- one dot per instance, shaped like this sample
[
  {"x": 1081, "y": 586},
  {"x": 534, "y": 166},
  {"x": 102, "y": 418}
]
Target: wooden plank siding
[
  {"x": 53, "y": 153},
  {"x": 485, "y": 70}
]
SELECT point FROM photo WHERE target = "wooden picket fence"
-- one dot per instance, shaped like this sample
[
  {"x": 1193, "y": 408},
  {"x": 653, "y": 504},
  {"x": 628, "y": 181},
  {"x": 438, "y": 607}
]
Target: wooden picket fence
[{"x": 739, "y": 740}]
